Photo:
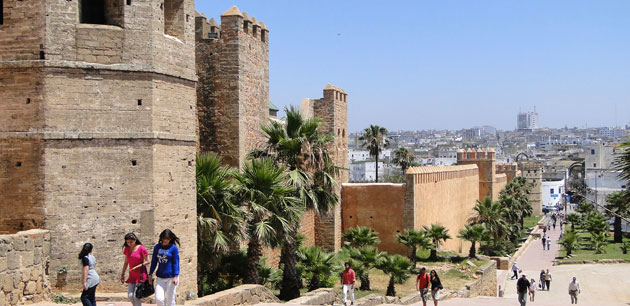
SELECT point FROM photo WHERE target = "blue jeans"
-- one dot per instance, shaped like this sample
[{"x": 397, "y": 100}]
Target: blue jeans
[
  {"x": 88, "y": 297},
  {"x": 522, "y": 297}
]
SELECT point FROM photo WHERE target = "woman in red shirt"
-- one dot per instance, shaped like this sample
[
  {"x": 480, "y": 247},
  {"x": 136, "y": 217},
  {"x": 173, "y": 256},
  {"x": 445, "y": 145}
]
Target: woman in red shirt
[{"x": 135, "y": 257}]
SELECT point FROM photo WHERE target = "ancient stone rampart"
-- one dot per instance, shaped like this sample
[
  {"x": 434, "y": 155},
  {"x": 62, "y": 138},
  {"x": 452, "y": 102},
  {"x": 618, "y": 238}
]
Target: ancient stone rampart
[
  {"x": 97, "y": 127},
  {"x": 378, "y": 206},
  {"x": 532, "y": 171},
  {"x": 444, "y": 195},
  {"x": 486, "y": 162},
  {"x": 510, "y": 170},
  {"x": 233, "y": 92},
  {"x": 499, "y": 184},
  {"x": 24, "y": 259}
]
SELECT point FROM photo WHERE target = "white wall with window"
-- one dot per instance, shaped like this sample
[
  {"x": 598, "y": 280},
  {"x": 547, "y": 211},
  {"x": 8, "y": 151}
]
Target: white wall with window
[{"x": 552, "y": 192}]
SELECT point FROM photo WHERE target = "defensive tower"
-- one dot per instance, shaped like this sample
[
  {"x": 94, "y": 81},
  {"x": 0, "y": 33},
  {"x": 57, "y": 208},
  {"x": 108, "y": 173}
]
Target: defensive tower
[
  {"x": 97, "y": 127},
  {"x": 532, "y": 171},
  {"x": 233, "y": 90},
  {"x": 486, "y": 162},
  {"x": 332, "y": 109}
]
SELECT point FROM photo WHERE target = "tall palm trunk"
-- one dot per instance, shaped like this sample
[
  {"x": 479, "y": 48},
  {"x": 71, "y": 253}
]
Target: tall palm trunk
[
  {"x": 290, "y": 287},
  {"x": 376, "y": 159},
  {"x": 414, "y": 258},
  {"x": 365, "y": 282},
  {"x": 617, "y": 230},
  {"x": 254, "y": 252}
]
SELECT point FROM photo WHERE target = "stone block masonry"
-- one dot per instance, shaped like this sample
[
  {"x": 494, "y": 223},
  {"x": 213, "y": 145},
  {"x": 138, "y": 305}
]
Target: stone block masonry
[
  {"x": 97, "y": 128},
  {"x": 233, "y": 92},
  {"x": 24, "y": 268}
]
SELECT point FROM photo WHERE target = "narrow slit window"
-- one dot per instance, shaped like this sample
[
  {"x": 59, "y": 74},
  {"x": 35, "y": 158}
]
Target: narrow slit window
[{"x": 1, "y": 12}]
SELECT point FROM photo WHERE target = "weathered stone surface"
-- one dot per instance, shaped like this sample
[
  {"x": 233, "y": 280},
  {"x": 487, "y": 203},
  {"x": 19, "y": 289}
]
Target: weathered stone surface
[
  {"x": 245, "y": 294},
  {"x": 322, "y": 296}
]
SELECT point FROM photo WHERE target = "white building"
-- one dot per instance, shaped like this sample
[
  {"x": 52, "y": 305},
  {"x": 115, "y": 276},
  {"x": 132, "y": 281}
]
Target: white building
[
  {"x": 552, "y": 191},
  {"x": 527, "y": 121},
  {"x": 601, "y": 177},
  {"x": 364, "y": 155},
  {"x": 365, "y": 171}
]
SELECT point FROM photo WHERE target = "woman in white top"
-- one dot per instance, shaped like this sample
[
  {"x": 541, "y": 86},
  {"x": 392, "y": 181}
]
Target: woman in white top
[{"x": 532, "y": 289}]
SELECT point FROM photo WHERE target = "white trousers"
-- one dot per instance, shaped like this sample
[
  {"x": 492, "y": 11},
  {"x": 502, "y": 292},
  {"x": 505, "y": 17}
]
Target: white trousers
[
  {"x": 347, "y": 288},
  {"x": 165, "y": 292}
]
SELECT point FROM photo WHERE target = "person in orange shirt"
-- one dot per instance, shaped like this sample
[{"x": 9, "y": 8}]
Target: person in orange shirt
[
  {"x": 347, "y": 280},
  {"x": 422, "y": 284}
]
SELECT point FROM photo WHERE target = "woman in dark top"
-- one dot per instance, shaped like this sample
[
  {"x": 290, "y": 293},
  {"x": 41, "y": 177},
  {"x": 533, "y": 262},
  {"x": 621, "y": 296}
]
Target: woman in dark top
[{"x": 436, "y": 286}]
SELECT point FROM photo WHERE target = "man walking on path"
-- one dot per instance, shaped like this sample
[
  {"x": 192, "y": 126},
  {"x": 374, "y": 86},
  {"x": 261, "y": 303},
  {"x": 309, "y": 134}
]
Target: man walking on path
[
  {"x": 515, "y": 270},
  {"x": 574, "y": 290},
  {"x": 544, "y": 241},
  {"x": 547, "y": 279},
  {"x": 548, "y": 243},
  {"x": 347, "y": 279},
  {"x": 522, "y": 285},
  {"x": 542, "y": 280},
  {"x": 422, "y": 284}
]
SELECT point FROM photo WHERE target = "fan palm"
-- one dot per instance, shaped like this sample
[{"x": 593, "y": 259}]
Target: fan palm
[
  {"x": 265, "y": 192},
  {"x": 360, "y": 236},
  {"x": 414, "y": 239},
  {"x": 473, "y": 233},
  {"x": 398, "y": 269},
  {"x": 403, "y": 158},
  {"x": 596, "y": 223},
  {"x": 599, "y": 241},
  {"x": 317, "y": 266},
  {"x": 375, "y": 140},
  {"x": 300, "y": 147},
  {"x": 437, "y": 233},
  {"x": 622, "y": 164},
  {"x": 490, "y": 214},
  {"x": 569, "y": 241},
  {"x": 220, "y": 220},
  {"x": 618, "y": 206},
  {"x": 574, "y": 219},
  {"x": 362, "y": 260}
]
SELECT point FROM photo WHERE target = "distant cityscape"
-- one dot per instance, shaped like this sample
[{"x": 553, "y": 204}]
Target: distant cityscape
[{"x": 558, "y": 149}]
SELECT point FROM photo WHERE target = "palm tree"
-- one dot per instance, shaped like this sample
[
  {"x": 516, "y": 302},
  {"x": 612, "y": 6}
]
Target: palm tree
[
  {"x": 622, "y": 163},
  {"x": 596, "y": 223},
  {"x": 617, "y": 207},
  {"x": 573, "y": 219},
  {"x": 403, "y": 158},
  {"x": 414, "y": 239},
  {"x": 220, "y": 220},
  {"x": 360, "y": 236},
  {"x": 437, "y": 233},
  {"x": 600, "y": 241},
  {"x": 317, "y": 266},
  {"x": 300, "y": 147},
  {"x": 490, "y": 214},
  {"x": 362, "y": 261},
  {"x": 375, "y": 140},
  {"x": 265, "y": 192},
  {"x": 473, "y": 233},
  {"x": 569, "y": 241},
  {"x": 398, "y": 269}
]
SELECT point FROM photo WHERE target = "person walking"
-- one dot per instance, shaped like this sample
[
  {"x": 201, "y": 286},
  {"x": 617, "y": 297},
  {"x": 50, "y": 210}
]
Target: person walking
[
  {"x": 348, "y": 278},
  {"x": 436, "y": 286},
  {"x": 422, "y": 284},
  {"x": 515, "y": 270},
  {"x": 548, "y": 243},
  {"x": 522, "y": 286},
  {"x": 544, "y": 241},
  {"x": 532, "y": 290},
  {"x": 548, "y": 279},
  {"x": 542, "y": 280},
  {"x": 574, "y": 290},
  {"x": 166, "y": 259},
  {"x": 90, "y": 278},
  {"x": 136, "y": 258}
]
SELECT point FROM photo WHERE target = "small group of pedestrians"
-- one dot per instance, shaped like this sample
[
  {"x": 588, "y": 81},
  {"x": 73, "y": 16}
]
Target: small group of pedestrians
[
  {"x": 545, "y": 279},
  {"x": 423, "y": 280},
  {"x": 164, "y": 262},
  {"x": 546, "y": 241}
]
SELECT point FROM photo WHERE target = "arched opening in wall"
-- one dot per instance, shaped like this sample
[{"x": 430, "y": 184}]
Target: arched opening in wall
[
  {"x": 343, "y": 133},
  {"x": 338, "y": 132},
  {"x": 174, "y": 18},
  {"x": 109, "y": 12}
]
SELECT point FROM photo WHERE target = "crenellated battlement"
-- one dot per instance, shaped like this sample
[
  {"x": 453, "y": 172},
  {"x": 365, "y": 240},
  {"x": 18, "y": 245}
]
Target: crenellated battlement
[
  {"x": 335, "y": 93},
  {"x": 232, "y": 19},
  {"x": 505, "y": 167},
  {"x": 434, "y": 174},
  {"x": 476, "y": 154}
]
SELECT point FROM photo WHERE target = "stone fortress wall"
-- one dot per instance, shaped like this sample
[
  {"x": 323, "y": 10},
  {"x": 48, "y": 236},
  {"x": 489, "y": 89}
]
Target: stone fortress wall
[
  {"x": 97, "y": 128},
  {"x": 233, "y": 91},
  {"x": 532, "y": 171},
  {"x": 24, "y": 259}
]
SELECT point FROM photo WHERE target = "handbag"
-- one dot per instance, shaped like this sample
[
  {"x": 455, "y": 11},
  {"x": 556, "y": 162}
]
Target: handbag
[{"x": 144, "y": 289}]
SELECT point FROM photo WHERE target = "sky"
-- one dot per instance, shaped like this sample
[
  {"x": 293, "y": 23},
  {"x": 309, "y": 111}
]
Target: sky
[{"x": 414, "y": 65}]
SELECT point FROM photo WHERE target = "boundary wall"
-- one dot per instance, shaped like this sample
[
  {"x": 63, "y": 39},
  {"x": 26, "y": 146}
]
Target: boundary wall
[{"x": 24, "y": 260}]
